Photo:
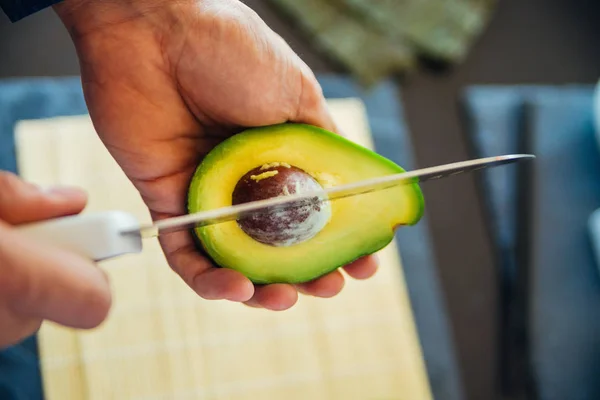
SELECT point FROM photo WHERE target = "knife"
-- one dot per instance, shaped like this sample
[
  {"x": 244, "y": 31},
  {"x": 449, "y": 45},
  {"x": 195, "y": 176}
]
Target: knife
[{"x": 104, "y": 235}]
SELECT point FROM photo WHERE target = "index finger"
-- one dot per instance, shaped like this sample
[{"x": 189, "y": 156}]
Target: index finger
[{"x": 312, "y": 106}]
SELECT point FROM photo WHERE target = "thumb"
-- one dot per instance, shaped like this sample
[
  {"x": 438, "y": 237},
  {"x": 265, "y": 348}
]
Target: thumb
[{"x": 22, "y": 202}]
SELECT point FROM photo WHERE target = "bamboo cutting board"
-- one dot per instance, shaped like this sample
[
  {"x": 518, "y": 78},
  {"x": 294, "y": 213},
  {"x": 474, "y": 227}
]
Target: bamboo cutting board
[{"x": 161, "y": 341}]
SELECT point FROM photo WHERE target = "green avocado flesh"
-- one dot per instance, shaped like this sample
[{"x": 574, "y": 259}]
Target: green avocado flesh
[{"x": 285, "y": 159}]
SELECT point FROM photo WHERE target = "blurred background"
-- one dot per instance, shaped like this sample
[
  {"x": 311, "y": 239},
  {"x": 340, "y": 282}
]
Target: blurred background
[{"x": 509, "y": 253}]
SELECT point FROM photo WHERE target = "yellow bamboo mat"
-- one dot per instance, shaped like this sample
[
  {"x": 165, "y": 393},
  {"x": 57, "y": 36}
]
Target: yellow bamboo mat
[{"x": 163, "y": 342}]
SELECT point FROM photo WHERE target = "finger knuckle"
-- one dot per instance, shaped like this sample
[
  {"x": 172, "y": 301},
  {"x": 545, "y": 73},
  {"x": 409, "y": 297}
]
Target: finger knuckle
[{"x": 312, "y": 91}]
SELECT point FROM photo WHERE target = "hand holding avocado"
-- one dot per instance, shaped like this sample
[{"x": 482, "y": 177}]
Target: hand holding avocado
[{"x": 166, "y": 82}]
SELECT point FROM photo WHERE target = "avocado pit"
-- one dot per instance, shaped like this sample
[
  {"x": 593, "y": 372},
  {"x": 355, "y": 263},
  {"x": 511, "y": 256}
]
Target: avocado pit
[{"x": 281, "y": 227}]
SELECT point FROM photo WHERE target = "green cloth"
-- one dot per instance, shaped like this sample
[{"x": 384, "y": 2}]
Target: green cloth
[{"x": 377, "y": 38}]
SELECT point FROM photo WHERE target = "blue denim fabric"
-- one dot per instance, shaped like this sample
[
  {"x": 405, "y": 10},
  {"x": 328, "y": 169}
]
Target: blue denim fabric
[{"x": 20, "y": 377}]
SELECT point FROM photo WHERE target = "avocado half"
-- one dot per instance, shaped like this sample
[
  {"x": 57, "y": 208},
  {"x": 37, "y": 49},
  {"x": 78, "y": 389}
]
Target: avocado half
[{"x": 282, "y": 159}]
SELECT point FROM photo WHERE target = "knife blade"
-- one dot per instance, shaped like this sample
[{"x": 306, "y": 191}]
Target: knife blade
[{"x": 103, "y": 235}]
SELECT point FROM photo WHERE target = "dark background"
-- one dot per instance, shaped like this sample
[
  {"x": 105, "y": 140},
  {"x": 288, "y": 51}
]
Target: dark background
[{"x": 527, "y": 41}]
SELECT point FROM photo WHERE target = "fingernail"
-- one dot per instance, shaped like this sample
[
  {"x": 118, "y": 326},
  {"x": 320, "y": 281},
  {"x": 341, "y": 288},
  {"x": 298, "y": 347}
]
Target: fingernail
[
  {"x": 376, "y": 258},
  {"x": 62, "y": 191}
]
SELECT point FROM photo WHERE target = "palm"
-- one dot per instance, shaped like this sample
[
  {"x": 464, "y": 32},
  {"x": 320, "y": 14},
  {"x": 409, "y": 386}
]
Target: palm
[{"x": 165, "y": 98}]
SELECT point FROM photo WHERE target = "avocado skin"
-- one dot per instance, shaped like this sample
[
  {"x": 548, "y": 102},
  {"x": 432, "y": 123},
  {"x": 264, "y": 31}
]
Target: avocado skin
[{"x": 206, "y": 246}]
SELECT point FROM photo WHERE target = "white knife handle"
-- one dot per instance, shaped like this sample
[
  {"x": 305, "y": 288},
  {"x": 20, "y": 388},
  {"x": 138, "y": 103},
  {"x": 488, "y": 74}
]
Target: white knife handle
[{"x": 96, "y": 236}]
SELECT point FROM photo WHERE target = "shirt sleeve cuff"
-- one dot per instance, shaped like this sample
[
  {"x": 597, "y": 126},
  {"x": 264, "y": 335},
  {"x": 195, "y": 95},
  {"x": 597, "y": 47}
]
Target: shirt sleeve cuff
[{"x": 16, "y": 10}]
